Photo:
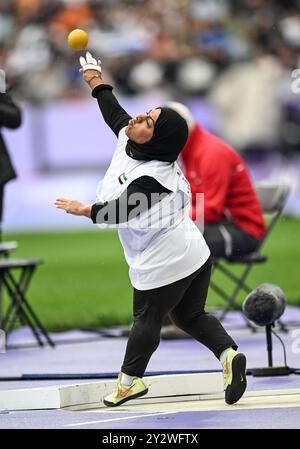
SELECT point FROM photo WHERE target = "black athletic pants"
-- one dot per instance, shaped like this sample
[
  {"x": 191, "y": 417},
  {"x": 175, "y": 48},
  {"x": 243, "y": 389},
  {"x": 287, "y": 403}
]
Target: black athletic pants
[
  {"x": 184, "y": 301},
  {"x": 227, "y": 239}
]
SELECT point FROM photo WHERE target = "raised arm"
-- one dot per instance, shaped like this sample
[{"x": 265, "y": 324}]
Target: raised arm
[{"x": 114, "y": 115}]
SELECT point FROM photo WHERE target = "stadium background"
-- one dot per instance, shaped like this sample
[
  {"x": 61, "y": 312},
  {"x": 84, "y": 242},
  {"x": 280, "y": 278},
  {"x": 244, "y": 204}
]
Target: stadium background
[{"x": 229, "y": 61}]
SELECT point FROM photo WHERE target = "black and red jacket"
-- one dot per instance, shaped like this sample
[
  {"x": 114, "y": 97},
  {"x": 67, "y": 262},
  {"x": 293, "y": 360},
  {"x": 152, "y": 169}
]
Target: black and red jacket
[{"x": 215, "y": 169}]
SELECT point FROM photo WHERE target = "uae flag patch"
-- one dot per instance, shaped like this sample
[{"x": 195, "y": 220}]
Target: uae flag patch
[{"x": 122, "y": 178}]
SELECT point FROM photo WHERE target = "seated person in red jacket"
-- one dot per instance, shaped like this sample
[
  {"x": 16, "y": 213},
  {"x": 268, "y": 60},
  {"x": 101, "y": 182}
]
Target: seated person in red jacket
[
  {"x": 233, "y": 218},
  {"x": 232, "y": 215}
]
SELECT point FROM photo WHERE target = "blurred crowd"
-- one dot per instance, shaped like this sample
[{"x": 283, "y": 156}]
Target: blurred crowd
[{"x": 239, "y": 53}]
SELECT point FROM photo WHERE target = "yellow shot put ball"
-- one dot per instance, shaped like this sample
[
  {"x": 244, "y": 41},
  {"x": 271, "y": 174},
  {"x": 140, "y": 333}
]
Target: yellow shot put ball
[{"x": 78, "y": 39}]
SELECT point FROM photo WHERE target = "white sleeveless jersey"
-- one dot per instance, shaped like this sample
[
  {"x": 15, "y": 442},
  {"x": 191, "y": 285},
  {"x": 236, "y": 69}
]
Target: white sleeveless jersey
[{"x": 163, "y": 245}]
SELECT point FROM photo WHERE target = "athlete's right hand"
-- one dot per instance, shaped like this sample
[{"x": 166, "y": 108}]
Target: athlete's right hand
[{"x": 91, "y": 70}]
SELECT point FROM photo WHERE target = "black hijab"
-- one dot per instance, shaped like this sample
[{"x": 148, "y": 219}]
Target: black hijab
[{"x": 169, "y": 137}]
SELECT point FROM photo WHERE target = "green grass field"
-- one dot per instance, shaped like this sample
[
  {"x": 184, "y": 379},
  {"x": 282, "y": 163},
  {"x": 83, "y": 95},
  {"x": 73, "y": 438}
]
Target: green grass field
[{"x": 84, "y": 281}]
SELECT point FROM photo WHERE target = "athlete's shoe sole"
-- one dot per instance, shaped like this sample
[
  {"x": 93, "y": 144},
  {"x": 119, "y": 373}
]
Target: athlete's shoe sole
[
  {"x": 237, "y": 388},
  {"x": 128, "y": 398}
]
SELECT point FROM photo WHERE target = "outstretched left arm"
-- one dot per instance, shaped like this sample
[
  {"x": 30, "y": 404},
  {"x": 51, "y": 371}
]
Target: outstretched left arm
[
  {"x": 112, "y": 212},
  {"x": 74, "y": 207}
]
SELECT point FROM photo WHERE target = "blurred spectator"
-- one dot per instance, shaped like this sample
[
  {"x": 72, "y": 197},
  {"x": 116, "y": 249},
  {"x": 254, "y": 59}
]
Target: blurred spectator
[
  {"x": 240, "y": 51},
  {"x": 184, "y": 44},
  {"x": 10, "y": 117},
  {"x": 246, "y": 96}
]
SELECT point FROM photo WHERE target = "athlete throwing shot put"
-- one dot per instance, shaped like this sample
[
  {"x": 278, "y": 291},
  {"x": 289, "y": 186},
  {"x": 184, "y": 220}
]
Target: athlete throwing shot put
[{"x": 145, "y": 194}]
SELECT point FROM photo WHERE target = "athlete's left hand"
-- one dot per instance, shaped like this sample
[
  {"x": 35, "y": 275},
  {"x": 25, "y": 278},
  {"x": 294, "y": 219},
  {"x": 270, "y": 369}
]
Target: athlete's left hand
[{"x": 73, "y": 207}]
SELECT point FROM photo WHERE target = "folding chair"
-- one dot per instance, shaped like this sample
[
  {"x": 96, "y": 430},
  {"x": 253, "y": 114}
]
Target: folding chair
[
  {"x": 16, "y": 287},
  {"x": 6, "y": 248},
  {"x": 273, "y": 198}
]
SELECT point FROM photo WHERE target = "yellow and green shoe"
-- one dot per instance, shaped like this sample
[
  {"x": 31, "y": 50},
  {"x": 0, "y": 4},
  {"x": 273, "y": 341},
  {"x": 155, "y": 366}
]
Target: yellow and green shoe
[
  {"x": 123, "y": 393},
  {"x": 234, "y": 372}
]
